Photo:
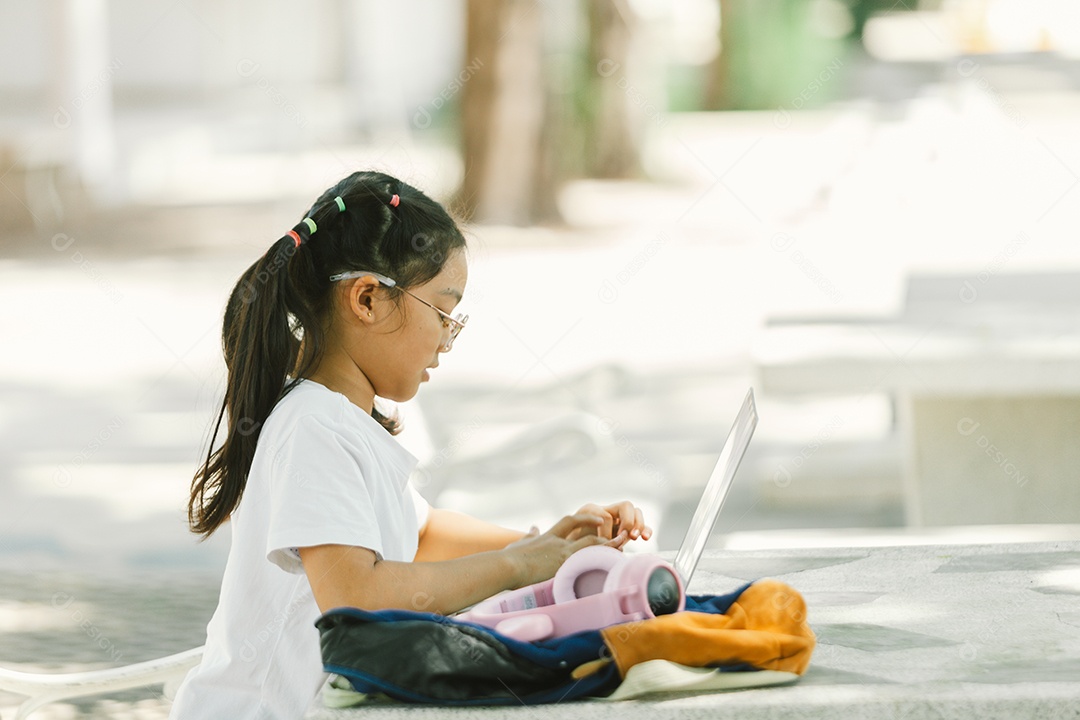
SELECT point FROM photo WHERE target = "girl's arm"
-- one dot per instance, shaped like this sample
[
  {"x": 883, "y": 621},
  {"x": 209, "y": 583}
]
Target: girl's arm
[
  {"x": 348, "y": 576},
  {"x": 344, "y": 575},
  {"x": 448, "y": 534}
]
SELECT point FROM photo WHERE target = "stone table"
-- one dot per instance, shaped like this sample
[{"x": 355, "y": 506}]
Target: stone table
[{"x": 941, "y": 631}]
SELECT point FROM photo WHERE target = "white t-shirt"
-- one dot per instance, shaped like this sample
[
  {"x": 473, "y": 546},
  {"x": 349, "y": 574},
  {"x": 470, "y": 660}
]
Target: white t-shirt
[{"x": 324, "y": 472}]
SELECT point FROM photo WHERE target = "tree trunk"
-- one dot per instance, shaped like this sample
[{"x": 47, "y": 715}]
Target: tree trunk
[
  {"x": 558, "y": 96},
  {"x": 615, "y": 122},
  {"x": 502, "y": 113},
  {"x": 718, "y": 76}
]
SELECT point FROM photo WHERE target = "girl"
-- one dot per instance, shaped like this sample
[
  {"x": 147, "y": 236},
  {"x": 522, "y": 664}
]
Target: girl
[{"x": 354, "y": 302}]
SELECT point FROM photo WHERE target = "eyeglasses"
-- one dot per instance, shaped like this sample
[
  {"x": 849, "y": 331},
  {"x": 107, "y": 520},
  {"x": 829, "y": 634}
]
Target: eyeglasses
[{"x": 456, "y": 323}]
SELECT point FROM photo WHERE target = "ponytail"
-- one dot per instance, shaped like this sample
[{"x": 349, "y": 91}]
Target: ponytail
[{"x": 260, "y": 348}]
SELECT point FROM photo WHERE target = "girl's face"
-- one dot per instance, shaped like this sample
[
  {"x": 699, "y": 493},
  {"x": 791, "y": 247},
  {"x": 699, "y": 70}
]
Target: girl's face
[{"x": 408, "y": 340}]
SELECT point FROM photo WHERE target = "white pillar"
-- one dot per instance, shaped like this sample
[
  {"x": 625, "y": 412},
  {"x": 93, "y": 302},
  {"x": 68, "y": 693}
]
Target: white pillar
[
  {"x": 84, "y": 90},
  {"x": 377, "y": 65}
]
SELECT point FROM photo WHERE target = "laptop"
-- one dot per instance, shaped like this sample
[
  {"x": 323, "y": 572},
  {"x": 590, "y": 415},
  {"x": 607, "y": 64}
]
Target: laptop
[{"x": 716, "y": 490}]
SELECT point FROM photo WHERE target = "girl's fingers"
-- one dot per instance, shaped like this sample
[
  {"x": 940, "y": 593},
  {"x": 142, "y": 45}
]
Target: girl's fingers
[
  {"x": 579, "y": 520},
  {"x": 619, "y": 540},
  {"x": 593, "y": 509},
  {"x": 616, "y": 542},
  {"x": 608, "y": 527},
  {"x": 630, "y": 516},
  {"x": 626, "y": 513},
  {"x": 606, "y": 522}
]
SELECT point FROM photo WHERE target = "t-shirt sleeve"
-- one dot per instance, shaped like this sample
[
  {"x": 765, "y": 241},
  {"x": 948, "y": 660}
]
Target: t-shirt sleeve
[
  {"x": 421, "y": 505},
  {"x": 318, "y": 495}
]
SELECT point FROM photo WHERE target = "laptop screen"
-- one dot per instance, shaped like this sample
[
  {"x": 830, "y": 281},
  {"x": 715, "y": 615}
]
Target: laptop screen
[{"x": 716, "y": 490}]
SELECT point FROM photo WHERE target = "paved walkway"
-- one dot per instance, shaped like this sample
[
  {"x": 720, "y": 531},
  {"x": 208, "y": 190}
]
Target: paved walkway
[{"x": 70, "y": 622}]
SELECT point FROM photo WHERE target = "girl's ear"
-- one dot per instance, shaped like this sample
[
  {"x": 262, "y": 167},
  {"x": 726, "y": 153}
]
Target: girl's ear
[{"x": 361, "y": 298}]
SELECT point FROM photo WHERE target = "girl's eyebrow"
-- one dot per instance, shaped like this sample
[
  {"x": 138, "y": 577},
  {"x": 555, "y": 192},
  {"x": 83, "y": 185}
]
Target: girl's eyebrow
[{"x": 452, "y": 293}]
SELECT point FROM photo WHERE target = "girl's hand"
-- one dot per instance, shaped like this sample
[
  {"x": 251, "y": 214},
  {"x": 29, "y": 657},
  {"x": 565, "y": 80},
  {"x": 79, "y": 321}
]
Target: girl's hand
[
  {"x": 622, "y": 522},
  {"x": 536, "y": 557}
]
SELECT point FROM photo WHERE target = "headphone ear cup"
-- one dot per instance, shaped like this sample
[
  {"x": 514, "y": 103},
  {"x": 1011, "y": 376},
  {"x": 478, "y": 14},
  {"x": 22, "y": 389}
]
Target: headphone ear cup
[
  {"x": 585, "y": 573},
  {"x": 658, "y": 589},
  {"x": 623, "y": 572}
]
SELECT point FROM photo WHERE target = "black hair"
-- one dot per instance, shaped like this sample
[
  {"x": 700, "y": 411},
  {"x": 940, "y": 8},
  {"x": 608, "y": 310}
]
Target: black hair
[{"x": 276, "y": 315}]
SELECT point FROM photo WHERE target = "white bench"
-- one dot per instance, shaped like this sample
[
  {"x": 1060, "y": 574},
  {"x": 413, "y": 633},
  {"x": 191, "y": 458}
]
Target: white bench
[
  {"x": 44, "y": 688},
  {"x": 985, "y": 376}
]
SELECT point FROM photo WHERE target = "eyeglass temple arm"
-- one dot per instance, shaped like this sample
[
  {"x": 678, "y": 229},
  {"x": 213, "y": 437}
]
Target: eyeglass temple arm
[{"x": 388, "y": 282}]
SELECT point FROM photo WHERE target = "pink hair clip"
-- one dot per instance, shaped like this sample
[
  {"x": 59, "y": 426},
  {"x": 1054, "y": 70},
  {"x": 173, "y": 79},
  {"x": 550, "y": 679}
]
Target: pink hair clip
[{"x": 395, "y": 200}]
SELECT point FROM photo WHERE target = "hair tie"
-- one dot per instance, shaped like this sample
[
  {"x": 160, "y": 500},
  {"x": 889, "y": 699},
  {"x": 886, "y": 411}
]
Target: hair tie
[
  {"x": 311, "y": 225},
  {"x": 395, "y": 200},
  {"x": 340, "y": 204},
  {"x": 295, "y": 237}
]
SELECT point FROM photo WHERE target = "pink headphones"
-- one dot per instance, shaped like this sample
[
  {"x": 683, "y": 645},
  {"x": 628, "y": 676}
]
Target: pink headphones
[{"x": 596, "y": 587}]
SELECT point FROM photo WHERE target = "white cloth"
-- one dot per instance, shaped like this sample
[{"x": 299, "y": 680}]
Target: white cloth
[{"x": 324, "y": 472}]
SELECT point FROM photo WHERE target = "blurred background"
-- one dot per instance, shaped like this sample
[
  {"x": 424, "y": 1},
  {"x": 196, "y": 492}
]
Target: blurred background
[{"x": 865, "y": 210}]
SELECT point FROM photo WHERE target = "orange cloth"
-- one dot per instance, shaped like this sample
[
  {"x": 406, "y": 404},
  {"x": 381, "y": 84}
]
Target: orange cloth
[{"x": 765, "y": 627}]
